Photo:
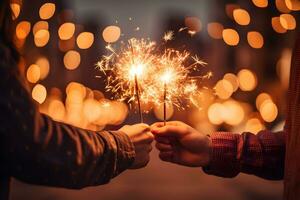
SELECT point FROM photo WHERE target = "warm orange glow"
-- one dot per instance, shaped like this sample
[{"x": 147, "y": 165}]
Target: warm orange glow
[
  {"x": 287, "y": 21},
  {"x": 159, "y": 111},
  {"x": 224, "y": 89},
  {"x": 41, "y": 38},
  {"x": 40, "y": 25},
  {"x": 233, "y": 112},
  {"x": 92, "y": 110},
  {"x": 283, "y": 67},
  {"x": 16, "y": 8},
  {"x": 23, "y": 29},
  {"x": 47, "y": 11},
  {"x": 281, "y": 6},
  {"x": 193, "y": 24},
  {"x": 215, "y": 30},
  {"x": 233, "y": 80},
  {"x": 56, "y": 110},
  {"x": 66, "y": 31},
  {"x": 231, "y": 37},
  {"x": 111, "y": 34},
  {"x": 72, "y": 60},
  {"x": 247, "y": 80},
  {"x": 241, "y": 16},
  {"x": 255, "y": 39},
  {"x": 261, "y": 98},
  {"x": 268, "y": 111},
  {"x": 85, "y": 40},
  {"x": 254, "y": 125},
  {"x": 78, "y": 88},
  {"x": 260, "y": 3},
  {"x": 276, "y": 25},
  {"x": 33, "y": 73},
  {"x": 215, "y": 112},
  {"x": 293, "y": 4},
  {"x": 39, "y": 93},
  {"x": 44, "y": 66}
]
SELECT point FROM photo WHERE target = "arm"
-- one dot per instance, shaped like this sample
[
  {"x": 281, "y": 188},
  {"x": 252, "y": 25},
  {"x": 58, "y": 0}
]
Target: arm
[
  {"x": 222, "y": 154},
  {"x": 261, "y": 155},
  {"x": 38, "y": 150}
]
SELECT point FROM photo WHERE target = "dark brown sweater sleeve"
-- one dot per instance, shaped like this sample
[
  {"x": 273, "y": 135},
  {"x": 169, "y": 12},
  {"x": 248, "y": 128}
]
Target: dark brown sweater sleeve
[{"x": 38, "y": 150}]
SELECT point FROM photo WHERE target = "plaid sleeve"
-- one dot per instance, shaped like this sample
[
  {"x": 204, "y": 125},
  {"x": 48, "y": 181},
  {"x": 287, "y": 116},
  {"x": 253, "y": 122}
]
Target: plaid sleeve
[{"x": 261, "y": 155}]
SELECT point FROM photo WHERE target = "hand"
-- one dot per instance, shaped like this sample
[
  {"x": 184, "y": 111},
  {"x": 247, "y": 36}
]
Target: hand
[
  {"x": 181, "y": 144},
  {"x": 141, "y": 137}
]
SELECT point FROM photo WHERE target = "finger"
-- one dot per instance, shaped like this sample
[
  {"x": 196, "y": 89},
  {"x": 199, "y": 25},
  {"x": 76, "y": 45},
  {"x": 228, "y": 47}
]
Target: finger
[
  {"x": 166, "y": 156},
  {"x": 148, "y": 137},
  {"x": 164, "y": 140},
  {"x": 162, "y": 124},
  {"x": 141, "y": 126},
  {"x": 170, "y": 130},
  {"x": 163, "y": 147}
]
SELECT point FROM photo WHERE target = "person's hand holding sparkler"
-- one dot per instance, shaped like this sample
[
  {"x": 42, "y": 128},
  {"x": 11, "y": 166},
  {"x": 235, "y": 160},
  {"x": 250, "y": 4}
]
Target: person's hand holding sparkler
[
  {"x": 181, "y": 144},
  {"x": 141, "y": 137}
]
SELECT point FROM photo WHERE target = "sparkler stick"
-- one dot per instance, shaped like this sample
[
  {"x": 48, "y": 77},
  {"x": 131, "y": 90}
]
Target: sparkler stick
[
  {"x": 165, "y": 103},
  {"x": 137, "y": 92}
]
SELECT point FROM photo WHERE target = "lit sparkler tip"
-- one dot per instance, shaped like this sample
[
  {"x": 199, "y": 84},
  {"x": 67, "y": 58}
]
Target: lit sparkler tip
[{"x": 169, "y": 35}]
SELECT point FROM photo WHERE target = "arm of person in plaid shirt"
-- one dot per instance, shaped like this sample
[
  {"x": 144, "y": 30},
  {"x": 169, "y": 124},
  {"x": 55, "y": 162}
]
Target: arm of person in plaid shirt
[
  {"x": 261, "y": 155},
  {"x": 223, "y": 154}
]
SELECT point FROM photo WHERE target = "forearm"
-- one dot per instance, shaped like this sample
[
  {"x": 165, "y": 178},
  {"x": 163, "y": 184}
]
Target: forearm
[
  {"x": 66, "y": 156},
  {"x": 261, "y": 154}
]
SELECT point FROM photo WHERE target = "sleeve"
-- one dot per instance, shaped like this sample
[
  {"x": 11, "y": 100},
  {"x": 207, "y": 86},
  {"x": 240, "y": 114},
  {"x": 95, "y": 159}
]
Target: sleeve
[
  {"x": 261, "y": 155},
  {"x": 38, "y": 150}
]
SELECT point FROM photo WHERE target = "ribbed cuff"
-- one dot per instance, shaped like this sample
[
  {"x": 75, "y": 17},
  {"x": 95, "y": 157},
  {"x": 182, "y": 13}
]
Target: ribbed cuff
[
  {"x": 223, "y": 155},
  {"x": 125, "y": 151}
]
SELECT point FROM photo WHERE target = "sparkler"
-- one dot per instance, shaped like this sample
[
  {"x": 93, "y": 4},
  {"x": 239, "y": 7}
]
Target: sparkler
[
  {"x": 129, "y": 70},
  {"x": 139, "y": 72}
]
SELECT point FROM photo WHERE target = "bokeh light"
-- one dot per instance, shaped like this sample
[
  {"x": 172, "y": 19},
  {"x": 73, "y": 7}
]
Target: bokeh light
[
  {"x": 254, "y": 125},
  {"x": 23, "y": 29},
  {"x": 260, "y": 3},
  {"x": 247, "y": 80},
  {"x": 224, "y": 89},
  {"x": 44, "y": 65},
  {"x": 255, "y": 39},
  {"x": 268, "y": 111},
  {"x": 276, "y": 25},
  {"x": 111, "y": 34},
  {"x": 159, "y": 111},
  {"x": 39, "y": 93},
  {"x": 241, "y": 16},
  {"x": 16, "y": 9},
  {"x": 33, "y": 73},
  {"x": 85, "y": 40},
  {"x": 231, "y": 37},
  {"x": 72, "y": 59},
  {"x": 287, "y": 21},
  {"x": 232, "y": 78},
  {"x": 66, "y": 31},
  {"x": 41, "y": 38},
  {"x": 40, "y": 25},
  {"x": 47, "y": 10}
]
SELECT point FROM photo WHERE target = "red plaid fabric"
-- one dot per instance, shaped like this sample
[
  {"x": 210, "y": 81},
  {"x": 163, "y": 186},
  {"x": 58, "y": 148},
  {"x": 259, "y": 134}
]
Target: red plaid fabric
[{"x": 268, "y": 155}]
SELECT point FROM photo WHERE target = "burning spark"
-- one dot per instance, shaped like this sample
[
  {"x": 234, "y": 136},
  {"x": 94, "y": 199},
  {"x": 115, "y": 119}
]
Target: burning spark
[
  {"x": 168, "y": 36},
  {"x": 139, "y": 72}
]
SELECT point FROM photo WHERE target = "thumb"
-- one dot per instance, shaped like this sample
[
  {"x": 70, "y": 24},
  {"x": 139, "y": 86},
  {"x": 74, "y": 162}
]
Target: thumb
[{"x": 169, "y": 130}]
